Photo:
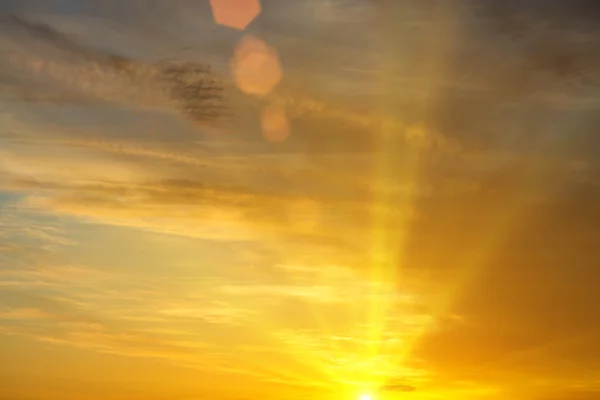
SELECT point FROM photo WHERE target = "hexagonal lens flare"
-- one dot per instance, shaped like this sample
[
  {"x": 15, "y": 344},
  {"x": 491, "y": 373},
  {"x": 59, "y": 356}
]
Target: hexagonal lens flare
[
  {"x": 255, "y": 66},
  {"x": 235, "y": 14}
]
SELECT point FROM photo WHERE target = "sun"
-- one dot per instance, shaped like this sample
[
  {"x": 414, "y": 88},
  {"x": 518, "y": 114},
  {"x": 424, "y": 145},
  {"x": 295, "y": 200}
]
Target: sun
[{"x": 366, "y": 396}]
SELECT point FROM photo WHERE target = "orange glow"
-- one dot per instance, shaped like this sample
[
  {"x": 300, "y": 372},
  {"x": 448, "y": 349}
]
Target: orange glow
[
  {"x": 409, "y": 214},
  {"x": 235, "y": 14},
  {"x": 255, "y": 67}
]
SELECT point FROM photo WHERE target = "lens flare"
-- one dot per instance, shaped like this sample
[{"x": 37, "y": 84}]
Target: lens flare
[
  {"x": 235, "y": 14},
  {"x": 255, "y": 67},
  {"x": 274, "y": 124}
]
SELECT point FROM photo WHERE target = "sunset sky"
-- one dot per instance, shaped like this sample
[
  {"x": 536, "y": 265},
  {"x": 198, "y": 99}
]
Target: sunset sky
[{"x": 387, "y": 198}]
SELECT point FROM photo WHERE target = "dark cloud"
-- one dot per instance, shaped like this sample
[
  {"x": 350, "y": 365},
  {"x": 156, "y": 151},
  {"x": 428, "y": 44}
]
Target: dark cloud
[
  {"x": 398, "y": 388},
  {"x": 554, "y": 36},
  {"x": 196, "y": 90},
  {"x": 569, "y": 14}
]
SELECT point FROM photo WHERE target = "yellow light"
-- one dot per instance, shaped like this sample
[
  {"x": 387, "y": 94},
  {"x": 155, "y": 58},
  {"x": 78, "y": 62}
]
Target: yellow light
[{"x": 365, "y": 396}]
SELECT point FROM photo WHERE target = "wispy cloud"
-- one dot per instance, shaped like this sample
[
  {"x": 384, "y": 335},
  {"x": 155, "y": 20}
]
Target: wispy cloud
[{"x": 36, "y": 48}]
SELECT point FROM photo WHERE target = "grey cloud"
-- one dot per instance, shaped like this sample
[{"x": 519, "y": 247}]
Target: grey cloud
[
  {"x": 506, "y": 73},
  {"x": 65, "y": 43},
  {"x": 194, "y": 89}
]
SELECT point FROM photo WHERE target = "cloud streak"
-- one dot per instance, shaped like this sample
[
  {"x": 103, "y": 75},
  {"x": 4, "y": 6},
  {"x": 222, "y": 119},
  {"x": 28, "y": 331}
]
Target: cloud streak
[{"x": 192, "y": 88}]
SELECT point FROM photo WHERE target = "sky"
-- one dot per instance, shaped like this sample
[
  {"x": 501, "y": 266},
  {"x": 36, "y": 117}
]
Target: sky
[{"x": 311, "y": 199}]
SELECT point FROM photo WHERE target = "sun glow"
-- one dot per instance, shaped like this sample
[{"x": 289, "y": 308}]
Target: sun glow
[{"x": 366, "y": 396}]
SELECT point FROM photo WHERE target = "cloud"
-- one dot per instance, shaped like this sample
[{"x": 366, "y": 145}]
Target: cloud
[
  {"x": 572, "y": 395},
  {"x": 557, "y": 39},
  {"x": 74, "y": 318},
  {"x": 85, "y": 74},
  {"x": 98, "y": 337},
  {"x": 58, "y": 275},
  {"x": 398, "y": 388},
  {"x": 193, "y": 89},
  {"x": 23, "y": 313},
  {"x": 216, "y": 312},
  {"x": 127, "y": 191}
]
